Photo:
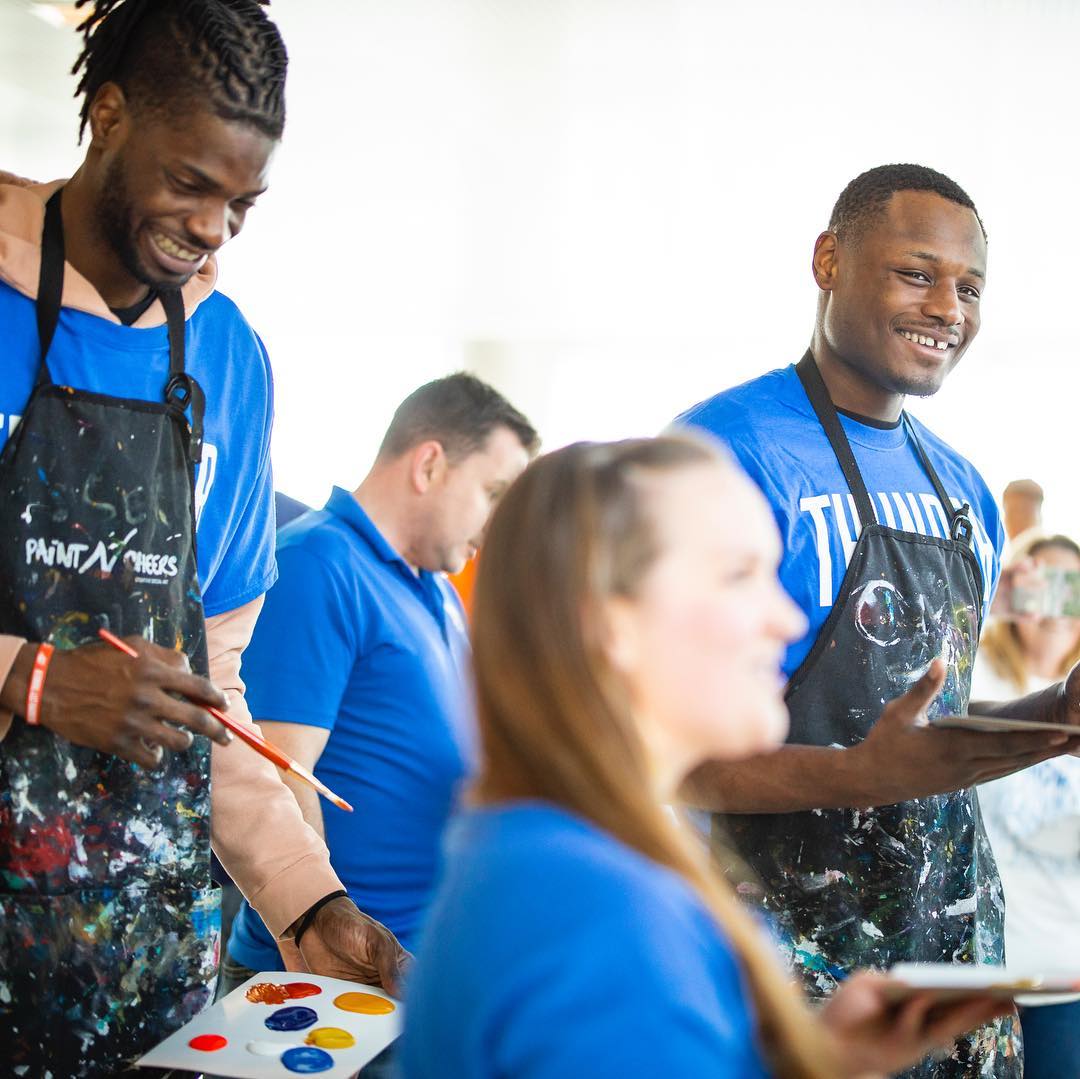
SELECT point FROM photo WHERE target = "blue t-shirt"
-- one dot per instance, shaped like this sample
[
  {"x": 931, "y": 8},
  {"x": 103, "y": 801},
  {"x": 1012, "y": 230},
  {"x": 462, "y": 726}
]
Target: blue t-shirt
[
  {"x": 772, "y": 429},
  {"x": 553, "y": 951},
  {"x": 351, "y": 640},
  {"x": 233, "y": 488}
]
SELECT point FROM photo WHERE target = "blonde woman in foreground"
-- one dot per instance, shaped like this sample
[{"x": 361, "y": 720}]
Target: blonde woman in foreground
[{"x": 628, "y": 625}]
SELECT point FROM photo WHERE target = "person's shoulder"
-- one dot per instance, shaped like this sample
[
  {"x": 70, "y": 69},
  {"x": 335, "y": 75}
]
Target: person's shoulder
[
  {"x": 320, "y": 545},
  {"x": 219, "y": 316},
  {"x": 746, "y": 406},
  {"x": 566, "y": 872},
  {"x": 944, "y": 454},
  {"x": 317, "y": 536}
]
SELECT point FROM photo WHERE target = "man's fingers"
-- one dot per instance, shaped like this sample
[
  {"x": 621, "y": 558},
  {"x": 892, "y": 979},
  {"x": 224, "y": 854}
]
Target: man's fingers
[
  {"x": 133, "y": 748},
  {"x": 196, "y": 689},
  {"x": 393, "y": 962},
  {"x": 1018, "y": 745},
  {"x": 176, "y": 739},
  {"x": 192, "y": 717},
  {"x": 996, "y": 768}
]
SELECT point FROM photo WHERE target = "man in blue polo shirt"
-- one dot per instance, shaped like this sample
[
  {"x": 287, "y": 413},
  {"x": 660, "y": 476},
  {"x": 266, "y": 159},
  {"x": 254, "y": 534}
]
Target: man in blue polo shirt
[{"x": 358, "y": 665}]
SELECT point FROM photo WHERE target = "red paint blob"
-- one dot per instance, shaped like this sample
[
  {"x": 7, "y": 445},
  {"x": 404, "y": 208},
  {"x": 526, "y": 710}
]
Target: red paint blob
[
  {"x": 267, "y": 993},
  {"x": 298, "y": 990},
  {"x": 208, "y": 1043}
]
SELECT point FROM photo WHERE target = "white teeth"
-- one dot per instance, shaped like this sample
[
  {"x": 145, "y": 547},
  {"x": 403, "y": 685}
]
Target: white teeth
[
  {"x": 922, "y": 339},
  {"x": 171, "y": 247}
]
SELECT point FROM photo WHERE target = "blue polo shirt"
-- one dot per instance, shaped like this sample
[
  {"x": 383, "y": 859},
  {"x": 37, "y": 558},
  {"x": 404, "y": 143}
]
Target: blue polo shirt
[{"x": 352, "y": 640}]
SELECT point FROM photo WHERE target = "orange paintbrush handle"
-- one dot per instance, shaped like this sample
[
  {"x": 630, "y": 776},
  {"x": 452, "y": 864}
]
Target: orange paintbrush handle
[{"x": 248, "y": 735}]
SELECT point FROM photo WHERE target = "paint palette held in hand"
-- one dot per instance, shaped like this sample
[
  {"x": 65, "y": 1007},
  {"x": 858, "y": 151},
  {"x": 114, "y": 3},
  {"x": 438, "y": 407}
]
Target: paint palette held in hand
[
  {"x": 954, "y": 981},
  {"x": 280, "y": 1025},
  {"x": 998, "y": 724}
]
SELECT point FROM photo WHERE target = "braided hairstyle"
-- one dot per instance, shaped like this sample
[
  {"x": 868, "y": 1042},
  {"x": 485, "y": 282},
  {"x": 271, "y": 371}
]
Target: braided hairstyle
[
  {"x": 865, "y": 198},
  {"x": 169, "y": 56}
]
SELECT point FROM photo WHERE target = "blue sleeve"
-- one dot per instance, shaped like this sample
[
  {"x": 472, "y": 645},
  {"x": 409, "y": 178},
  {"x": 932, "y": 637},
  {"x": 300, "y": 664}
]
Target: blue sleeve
[
  {"x": 304, "y": 646},
  {"x": 248, "y": 567}
]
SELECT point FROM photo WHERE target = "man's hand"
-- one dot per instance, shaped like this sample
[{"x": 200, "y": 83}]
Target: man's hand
[
  {"x": 343, "y": 942},
  {"x": 902, "y": 758},
  {"x": 97, "y": 697},
  {"x": 877, "y": 1038}
]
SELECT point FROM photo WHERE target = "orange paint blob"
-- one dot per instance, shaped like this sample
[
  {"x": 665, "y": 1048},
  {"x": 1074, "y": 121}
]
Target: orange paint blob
[
  {"x": 299, "y": 990},
  {"x": 331, "y": 1038},
  {"x": 208, "y": 1043},
  {"x": 364, "y": 1004},
  {"x": 267, "y": 993}
]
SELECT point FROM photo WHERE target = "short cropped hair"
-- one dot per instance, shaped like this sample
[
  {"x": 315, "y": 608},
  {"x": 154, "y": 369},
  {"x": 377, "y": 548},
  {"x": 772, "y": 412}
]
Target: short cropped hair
[
  {"x": 865, "y": 198},
  {"x": 459, "y": 412}
]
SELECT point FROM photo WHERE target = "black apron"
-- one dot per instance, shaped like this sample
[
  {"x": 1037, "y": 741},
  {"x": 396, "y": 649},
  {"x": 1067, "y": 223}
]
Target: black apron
[
  {"x": 913, "y": 882},
  {"x": 109, "y": 923}
]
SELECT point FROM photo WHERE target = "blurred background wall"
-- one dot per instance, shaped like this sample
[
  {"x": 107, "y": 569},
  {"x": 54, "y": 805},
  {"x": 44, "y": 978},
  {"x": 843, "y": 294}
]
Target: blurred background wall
[{"x": 607, "y": 207}]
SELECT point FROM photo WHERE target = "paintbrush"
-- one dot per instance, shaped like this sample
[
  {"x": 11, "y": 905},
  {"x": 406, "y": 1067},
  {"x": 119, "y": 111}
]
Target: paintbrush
[{"x": 247, "y": 734}]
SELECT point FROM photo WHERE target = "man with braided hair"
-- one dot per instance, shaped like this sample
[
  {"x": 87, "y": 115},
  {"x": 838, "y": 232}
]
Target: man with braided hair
[{"x": 135, "y": 413}]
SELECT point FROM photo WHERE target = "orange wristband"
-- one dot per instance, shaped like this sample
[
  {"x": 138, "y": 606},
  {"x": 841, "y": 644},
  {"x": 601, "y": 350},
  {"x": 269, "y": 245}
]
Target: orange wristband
[{"x": 37, "y": 683}]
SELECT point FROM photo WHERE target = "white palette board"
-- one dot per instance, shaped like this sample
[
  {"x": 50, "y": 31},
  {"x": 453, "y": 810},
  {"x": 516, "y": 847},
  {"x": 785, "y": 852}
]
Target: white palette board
[
  {"x": 953, "y": 981},
  {"x": 242, "y": 1022},
  {"x": 999, "y": 724}
]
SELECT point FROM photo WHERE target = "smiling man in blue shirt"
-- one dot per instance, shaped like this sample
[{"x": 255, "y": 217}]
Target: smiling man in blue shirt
[{"x": 358, "y": 666}]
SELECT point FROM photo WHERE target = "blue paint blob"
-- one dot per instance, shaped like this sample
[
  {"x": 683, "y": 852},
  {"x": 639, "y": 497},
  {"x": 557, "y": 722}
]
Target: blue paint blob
[
  {"x": 294, "y": 1018},
  {"x": 306, "y": 1060}
]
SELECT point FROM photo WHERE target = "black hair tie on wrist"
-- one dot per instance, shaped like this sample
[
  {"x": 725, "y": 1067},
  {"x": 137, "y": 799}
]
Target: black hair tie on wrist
[{"x": 309, "y": 915}]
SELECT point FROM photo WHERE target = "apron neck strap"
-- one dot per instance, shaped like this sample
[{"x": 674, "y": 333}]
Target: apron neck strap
[
  {"x": 50, "y": 280},
  {"x": 960, "y": 527},
  {"x": 816, "y": 391},
  {"x": 181, "y": 389}
]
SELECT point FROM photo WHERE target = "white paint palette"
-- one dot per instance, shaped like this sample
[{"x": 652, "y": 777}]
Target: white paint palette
[
  {"x": 313, "y": 1030},
  {"x": 999, "y": 723},
  {"x": 954, "y": 981}
]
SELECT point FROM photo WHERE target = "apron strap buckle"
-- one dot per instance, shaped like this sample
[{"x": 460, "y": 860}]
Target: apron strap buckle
[
  {"x": 962, "y": 529},
  {"x": 180, "y": 391}
]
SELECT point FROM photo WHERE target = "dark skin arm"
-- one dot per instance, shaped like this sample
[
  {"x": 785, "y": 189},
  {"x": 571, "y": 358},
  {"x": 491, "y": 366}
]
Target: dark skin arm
[
  {"x": 97, "y": 697},
  {"x": 899, "y": 760},
  {"x": 1059, "y": 703}
]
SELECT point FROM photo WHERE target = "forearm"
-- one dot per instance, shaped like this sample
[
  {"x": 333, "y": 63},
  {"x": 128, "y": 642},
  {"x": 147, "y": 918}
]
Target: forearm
[
  {"x": 16, "y": 659},
  {"x": 1046, "y": 706},
  {"x": 276, "y": 859},
  {"x": 792, "y": 779},
  {"x": 307, "y": 798}
]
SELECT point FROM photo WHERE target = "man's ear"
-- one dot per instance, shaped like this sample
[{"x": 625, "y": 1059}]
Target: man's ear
[
  {"x": 109, "y": 116},
  {"x": 826, "y": 261},
  {"x": 427, "y": 465}
]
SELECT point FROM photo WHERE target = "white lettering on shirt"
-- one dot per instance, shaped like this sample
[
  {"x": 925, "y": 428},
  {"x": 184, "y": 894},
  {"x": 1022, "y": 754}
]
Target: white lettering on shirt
[{"x": 836, "y": 529}]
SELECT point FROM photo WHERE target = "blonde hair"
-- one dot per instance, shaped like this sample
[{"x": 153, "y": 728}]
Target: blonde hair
[
  {"x": 574, "y": 529},
  {"x": 1000, "y": 643}
]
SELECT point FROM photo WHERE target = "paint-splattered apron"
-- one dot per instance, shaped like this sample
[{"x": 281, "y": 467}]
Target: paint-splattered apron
[
  {"x": 909, "y": 882},
  {"x": 109, "y": 923}
]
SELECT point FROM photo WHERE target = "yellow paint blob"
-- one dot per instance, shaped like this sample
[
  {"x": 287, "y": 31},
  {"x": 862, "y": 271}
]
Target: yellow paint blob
[
  {"x": 331, "y": 1037},
  {"x": 364, "y": 1004}
]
